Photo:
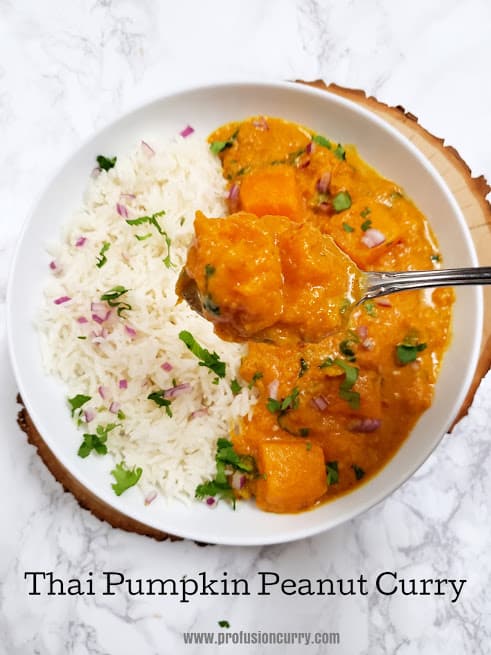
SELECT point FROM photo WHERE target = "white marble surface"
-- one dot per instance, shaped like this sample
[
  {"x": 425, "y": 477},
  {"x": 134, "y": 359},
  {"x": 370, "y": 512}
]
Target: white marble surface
[{"x": 67, "y": 68}]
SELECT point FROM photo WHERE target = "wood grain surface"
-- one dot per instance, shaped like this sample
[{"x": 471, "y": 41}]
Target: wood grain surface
[{"x": 470, "y": 193}]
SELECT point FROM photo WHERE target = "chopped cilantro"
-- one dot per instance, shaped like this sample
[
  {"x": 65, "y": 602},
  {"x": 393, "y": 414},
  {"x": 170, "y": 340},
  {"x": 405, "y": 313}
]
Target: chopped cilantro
[
  {"x": 210, "y": 360},
  {"x": 341, "y": 201},
  {"x": 329, "y": 361},
  {"x": 359, "y": 472},
  {"x": 219, "y": 146},
  {"x": 142, "y": 237},
  {"x": 322, "y": 141},
  {"x": 347, "y": 227},
  {"x": 77, "y": 402},
  {"x": 366, "y": 224},
  {"x": 224, "y": 624},
  {"x": 369, "y": 307},
  {"x": 365, "y": 212},
  {"x": 257, "y": 376},
  {"x": 304, "y": 432},
  {"x": 346, "y": 349},
  {"x": 282, "y": 407},
  {"x": 408, "y": 352},
  {"x": 344, "y": 306},
  {"x": 235, "y": 386},
  {"x": 125, "y": 478},
  {"x": 345, "y": 389},
  {"x": 332, "y": 473},
  {"x": 106, "y": 163},
  {"x": 219, "y": 486},
  {"x": 81, "y": 337},
  {"x": 304, "y": 367},
  {"x": 308, "y": 446},
  {"x": 340, "y": 152},
  {"x": 102, "y": 259},
  {"x": 227, "y": 455},
  {"x": 96, "y": 441},
  {"x": 111, "y": 297},
  {"x": 152, "y": 220},
  {"x": 121, "y": 415},
  {"x": 159, "y": 399},
  {"x": 436, "y": 258},
  {"x": 209, "y": 270}
]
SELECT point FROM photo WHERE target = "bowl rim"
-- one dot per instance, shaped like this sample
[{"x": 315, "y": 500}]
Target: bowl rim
[{"x": 182, "y": 90}]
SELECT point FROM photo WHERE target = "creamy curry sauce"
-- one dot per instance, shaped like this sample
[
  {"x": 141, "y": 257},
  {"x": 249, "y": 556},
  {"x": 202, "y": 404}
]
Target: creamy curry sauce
[{"x": 331, "y": 414}]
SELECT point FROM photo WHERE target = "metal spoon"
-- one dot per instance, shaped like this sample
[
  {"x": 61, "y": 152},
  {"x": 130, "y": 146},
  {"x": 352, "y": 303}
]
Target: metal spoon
[
  {"x": 374, "y": 285},
  {"x": 380, "y": 283}
]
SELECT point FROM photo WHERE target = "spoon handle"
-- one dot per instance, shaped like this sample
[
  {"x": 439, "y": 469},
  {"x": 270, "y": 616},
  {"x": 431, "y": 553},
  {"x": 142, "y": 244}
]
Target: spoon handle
[{"x": 383, "y": 283}]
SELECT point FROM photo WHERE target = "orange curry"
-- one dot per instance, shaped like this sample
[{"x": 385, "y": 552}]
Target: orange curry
[{"x": 330, "y": 414}]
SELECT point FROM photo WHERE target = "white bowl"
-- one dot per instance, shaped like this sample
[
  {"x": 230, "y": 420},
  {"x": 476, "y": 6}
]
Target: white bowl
[{"x": 206, "y": 108}]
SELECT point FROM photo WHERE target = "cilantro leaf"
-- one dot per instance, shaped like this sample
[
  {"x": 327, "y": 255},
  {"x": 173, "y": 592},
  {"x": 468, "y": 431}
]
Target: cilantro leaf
[
  {"x": 210, "y": 360},
  {"x": 273, "y": 405},
  {"x": 235, "y": 386},
  {"x": 158, "y": 399},
  {"x": 322, "y": 141},
  {"x": 125, "y": 478},
  {"x": 407, "y": 353},
  {"x": 340, "y": 152},
  {"x": 347, "y": 227},
  {"x": 102, "y": 259},
  {"x": 304, "y": 367},
  {"x": 364, "y": 213},
  {"x": 369, "y": 307},
  {"x": 77, "y": 402},
  {"x": 257, "y": 376},
  {"x": 106, "y": 163},
  {"x": 359, "y": 472},
  {"x": 96, "y": 441},
  {"x": 345, "y": 388},
  {"x": 341, "y": 201},
  {"x": 366, "y": 224},
  {"x": 152, "y": 220},
  {"x": 332, "y": 473},
  {"x": 219, "y": 146},
  {"x": 111, "y": 297},
  {"x": 227, "y": 455},
  {"x": 224, "y": 624}
]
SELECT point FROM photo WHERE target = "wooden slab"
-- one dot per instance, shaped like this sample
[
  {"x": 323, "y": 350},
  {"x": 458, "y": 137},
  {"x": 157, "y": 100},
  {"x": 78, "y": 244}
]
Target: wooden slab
[{"x": 469, "y": 192}]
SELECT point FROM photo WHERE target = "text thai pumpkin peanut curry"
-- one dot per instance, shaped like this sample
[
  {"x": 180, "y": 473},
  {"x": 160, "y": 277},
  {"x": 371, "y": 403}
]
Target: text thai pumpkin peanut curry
[{"x": 331, "y": 413}]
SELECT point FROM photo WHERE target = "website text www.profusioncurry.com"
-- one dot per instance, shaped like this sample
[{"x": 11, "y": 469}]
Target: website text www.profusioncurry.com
[{"x": 259, "y": 637}]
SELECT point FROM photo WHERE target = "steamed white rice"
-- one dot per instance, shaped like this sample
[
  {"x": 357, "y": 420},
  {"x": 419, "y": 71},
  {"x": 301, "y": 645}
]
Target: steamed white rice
[{"x": 178, "y": 453}]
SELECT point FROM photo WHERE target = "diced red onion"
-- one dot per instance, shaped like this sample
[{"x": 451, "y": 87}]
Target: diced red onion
[
  {"x": 131, "y": 331},
  {"x": 368, "y": 344},
  {"x": 166, "y": 366},
  {"x": 103, "y": 392},
  {"x": 89, "y": 415},
  {"x": 233, "y": 196},
  {"x": 310, "y": 147},
  {"x": 273, "y": 389},
  {"x": 96, "y": 172},
  {"x": 238, "y": 480},
  {"x": 150, "y": 497},
  {"x": 372, "y": 238},
  {"x": 123, "y": 384},
  {"x": 80, "y": 242},
  {"x": 148, "y": 150},
  {"x": 203, "y": 411},
  {"x": 383, "y": 302},
  {"x": 98, "y": 307},
  {"x": 101, "y": 319},
  {"x": 211, "y": 502},
  {"x": 362, "y": 331},
  {"x": 114, "y": 407},
  {"x": 121, "y": 209},
  {"x": 53, "y": 266},
  {"x": 130, "y": 196},
  {"x": 176, "y": 391},
  {"x": 261, "y": 123},
  {"x": 365, "y": 425},
  {"x": 186, "y": 131},
  {"x": 61, "y": 300},
  {"x": 320, "y": 402},
  {"x": 82, "y": 319},
  {"x": 323, "y": 182},
  {"x": 304, "y": 162}
]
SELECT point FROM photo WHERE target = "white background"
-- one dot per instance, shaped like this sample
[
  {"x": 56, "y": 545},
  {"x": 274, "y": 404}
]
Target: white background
[{"x": 68, "y": 68}]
